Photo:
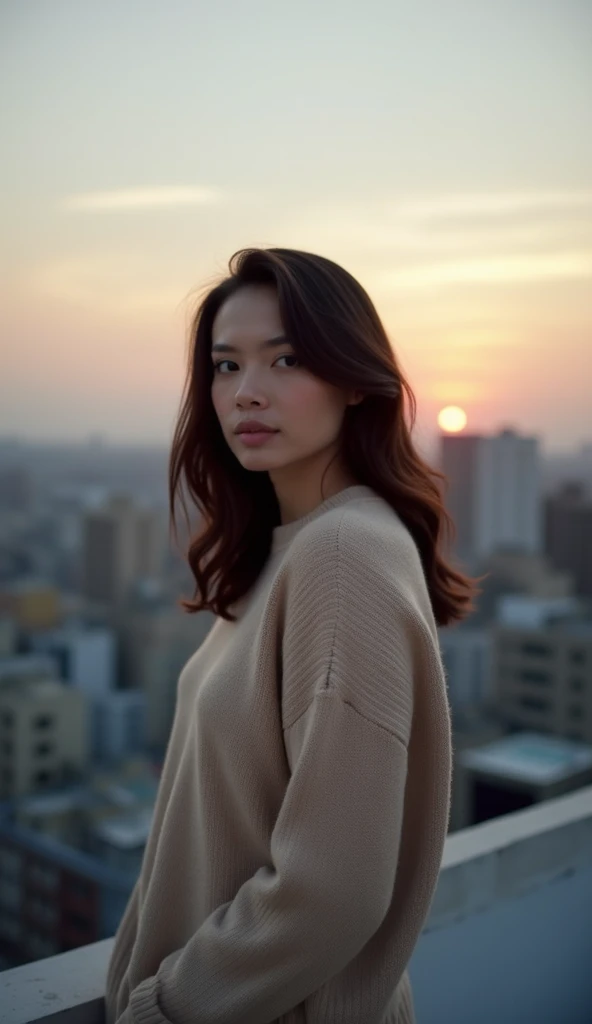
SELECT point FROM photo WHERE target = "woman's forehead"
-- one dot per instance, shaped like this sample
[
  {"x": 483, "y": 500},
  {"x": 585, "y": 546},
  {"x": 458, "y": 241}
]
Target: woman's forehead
[{"x": 249, "y": 315}]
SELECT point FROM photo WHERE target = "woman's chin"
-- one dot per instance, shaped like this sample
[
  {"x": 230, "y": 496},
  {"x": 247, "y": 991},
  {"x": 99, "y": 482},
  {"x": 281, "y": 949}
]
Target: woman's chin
[{"x": 256, "y": 459}]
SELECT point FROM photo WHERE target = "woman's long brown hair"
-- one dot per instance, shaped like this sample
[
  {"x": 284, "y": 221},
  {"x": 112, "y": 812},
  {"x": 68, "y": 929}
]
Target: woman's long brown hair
[{"x": 337, "y": 334}]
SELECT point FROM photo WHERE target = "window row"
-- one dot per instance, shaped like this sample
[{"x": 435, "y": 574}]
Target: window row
[
  {"x": 42, "y": 721},
  {"x": 532, "y": 703},
  {"x": 38, "y": 778},
  {"x": 39, "y": 748}
]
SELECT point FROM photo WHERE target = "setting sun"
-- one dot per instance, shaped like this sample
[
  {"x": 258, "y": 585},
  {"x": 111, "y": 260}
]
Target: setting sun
[{"x": 452, "y": 419}]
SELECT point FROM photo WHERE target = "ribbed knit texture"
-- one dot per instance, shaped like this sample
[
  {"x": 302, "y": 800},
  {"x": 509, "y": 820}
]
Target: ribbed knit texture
[{"x": 303, "y": 805}]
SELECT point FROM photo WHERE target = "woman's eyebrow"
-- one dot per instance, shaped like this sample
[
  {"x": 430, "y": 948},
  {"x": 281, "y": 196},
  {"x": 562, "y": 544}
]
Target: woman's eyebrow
[{"x": 221, "y": 346}]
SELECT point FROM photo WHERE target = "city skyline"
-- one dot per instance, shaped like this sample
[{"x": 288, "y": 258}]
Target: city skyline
[{"x": 440, "y": 155}]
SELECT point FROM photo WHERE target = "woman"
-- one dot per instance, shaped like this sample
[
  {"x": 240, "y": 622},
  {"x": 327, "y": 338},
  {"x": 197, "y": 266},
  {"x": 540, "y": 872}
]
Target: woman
[{"x": 303, "y": 804}]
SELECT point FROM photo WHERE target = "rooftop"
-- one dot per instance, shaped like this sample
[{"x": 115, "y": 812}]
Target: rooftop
[
  {"x": 126, "y": 832},
  {"x": 530, "y": 757}
]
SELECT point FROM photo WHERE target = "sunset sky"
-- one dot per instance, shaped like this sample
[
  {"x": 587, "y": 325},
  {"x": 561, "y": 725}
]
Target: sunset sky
[{"x": 441, "y": 151}]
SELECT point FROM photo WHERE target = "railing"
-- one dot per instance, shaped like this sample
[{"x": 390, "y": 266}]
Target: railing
[{"x": 508, "y": 939}]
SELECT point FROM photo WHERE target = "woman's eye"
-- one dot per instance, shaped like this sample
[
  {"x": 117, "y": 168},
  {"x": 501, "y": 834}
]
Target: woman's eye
[{"x": 220, "y": 363}]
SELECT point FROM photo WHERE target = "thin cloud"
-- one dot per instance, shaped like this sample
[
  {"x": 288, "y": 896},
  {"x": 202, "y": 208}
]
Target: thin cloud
[
  {"x": 142, "y": 198},
  {"x": 493, "y": 225},
  {"x": 505, "y": 270}
]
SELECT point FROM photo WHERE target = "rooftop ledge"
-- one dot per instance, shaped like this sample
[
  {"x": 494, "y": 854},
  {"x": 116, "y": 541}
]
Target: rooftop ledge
[{"x": 508, "y": 937}]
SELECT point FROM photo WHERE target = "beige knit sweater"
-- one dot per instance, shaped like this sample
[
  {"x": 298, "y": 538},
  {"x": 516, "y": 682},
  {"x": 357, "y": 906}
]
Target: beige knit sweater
[{"x": 303, "y": 805}]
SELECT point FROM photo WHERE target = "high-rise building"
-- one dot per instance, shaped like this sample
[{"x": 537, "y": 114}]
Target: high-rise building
[
  {"x": 150, "y": 543},
  {"x": 119, "y": 726},
  {"x": 528, "y": 573},
  {"x": 86, "y": 656},
  {"x": 568, "y": 534},
  {"x": 121, "y": 544},
  {"x": 32, "y": 603},
  {"x": 157, "y": 641},
  {"x": 466, "y": 655},
  {"x": 542, "y": 668},
  {"x": 16, "y": 489},
  {"x": 493, "y": 493},
  {"x": 43, "y": 733}
]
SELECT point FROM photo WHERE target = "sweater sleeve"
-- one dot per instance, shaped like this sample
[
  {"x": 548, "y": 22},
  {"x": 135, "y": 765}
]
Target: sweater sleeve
[{"x": 347, "y": 705}]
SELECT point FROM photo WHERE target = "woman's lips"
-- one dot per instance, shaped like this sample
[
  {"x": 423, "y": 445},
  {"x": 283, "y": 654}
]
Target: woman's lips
[{"x": 254, "y": 438}]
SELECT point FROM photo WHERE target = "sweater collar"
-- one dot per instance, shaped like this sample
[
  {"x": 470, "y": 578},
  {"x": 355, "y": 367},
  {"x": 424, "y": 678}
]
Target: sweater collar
[{"x": 285, "y": 533}]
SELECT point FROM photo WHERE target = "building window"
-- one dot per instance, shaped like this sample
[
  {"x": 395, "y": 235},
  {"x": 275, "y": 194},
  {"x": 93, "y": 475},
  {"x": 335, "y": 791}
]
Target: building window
[
  {"x": 7, "y": 776},
  {"x": 7, "y": 718},
  {"x": 43, "y": 748},
  {"x": 533, "y": 703},
  {"x": 41, "y": 778},
  {"x": 577, "y": 657},
  {"x": 8, "y": 747},
  {"x": 534, "y": 648},
  {"x": 575, "y": 712},
  {"x": 576, "y": 684},
  {"x": 42, "y": 721},
  {"x": 530, "y": 675}
]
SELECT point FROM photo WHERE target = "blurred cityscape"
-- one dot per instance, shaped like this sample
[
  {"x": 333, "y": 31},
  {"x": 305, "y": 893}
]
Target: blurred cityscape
[{"x": 92, "y": 643}]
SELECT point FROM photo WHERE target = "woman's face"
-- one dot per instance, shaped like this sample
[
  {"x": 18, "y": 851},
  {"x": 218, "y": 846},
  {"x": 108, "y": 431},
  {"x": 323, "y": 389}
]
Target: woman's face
[{"x": 266, "y": 383}]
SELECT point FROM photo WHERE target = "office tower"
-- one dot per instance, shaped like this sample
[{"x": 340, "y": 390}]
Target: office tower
[
  {"x": 542, "y": 667},
  {"x": 568, "y": 534},
  {"x": 43, "y": 727},
  {"x": 466, "y": 655},
  {"x": 157, "y": 641},
  {"x": 121, "y": 544},
  {"x": 86, "y": 656},
  {"x": 493, "y": 494},
  {"x": 119, "y": 726}
]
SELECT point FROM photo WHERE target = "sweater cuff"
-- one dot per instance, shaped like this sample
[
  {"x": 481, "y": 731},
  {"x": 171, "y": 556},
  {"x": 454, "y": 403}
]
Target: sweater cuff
[{"x": 144, "y": 1003}]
